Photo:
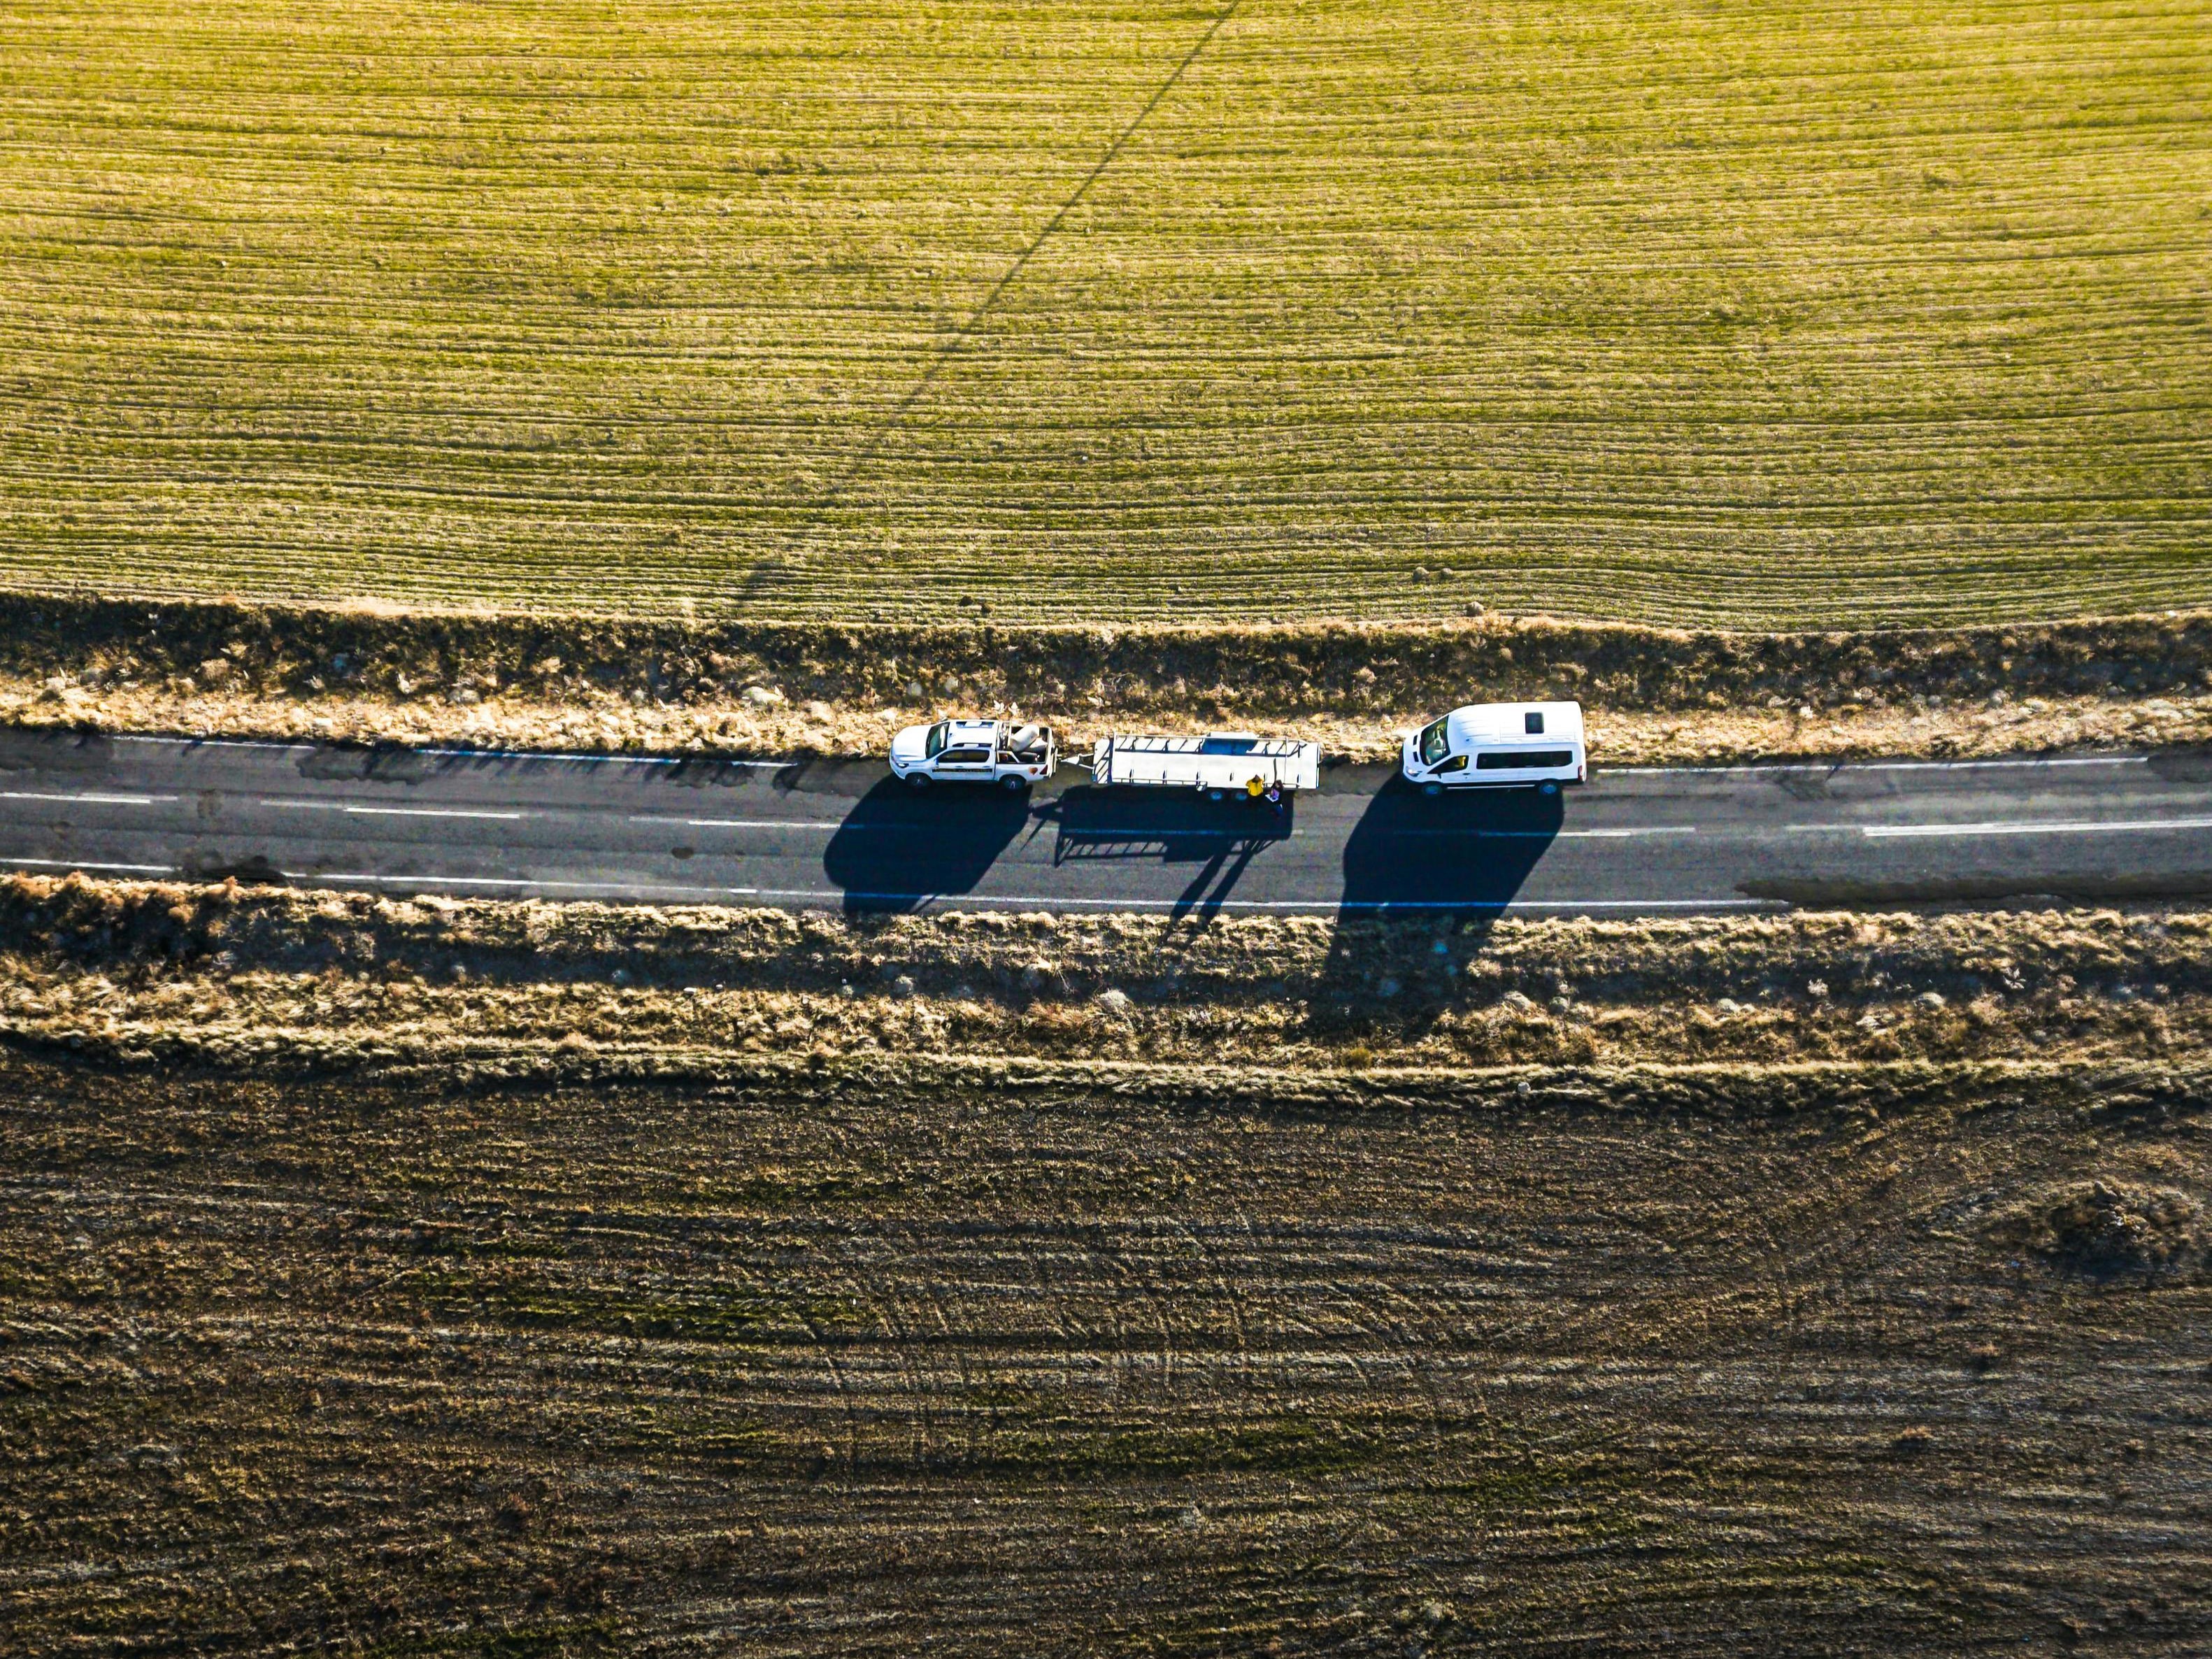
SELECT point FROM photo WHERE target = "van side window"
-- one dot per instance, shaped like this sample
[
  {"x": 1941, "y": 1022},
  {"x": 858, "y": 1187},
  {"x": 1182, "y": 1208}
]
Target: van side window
[
  {"x": 1523, "y": 760},
  {"x": 1533, "y": 723}
]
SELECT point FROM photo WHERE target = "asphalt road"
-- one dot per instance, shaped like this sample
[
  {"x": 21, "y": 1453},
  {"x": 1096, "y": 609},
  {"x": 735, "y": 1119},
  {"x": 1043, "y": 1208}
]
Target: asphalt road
[{"x": 818, "y": 834}]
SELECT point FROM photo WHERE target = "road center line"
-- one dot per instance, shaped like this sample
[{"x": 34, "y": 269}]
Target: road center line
[
  {"x": 2079, "y": 828},
  {"x": 96, "y": 800},
  {"x": 1157, "y": 832},
  {"x": 1555, "y": 834},
  {"x": 389, "y": 811},
  {"x": 747, "y": 823}
]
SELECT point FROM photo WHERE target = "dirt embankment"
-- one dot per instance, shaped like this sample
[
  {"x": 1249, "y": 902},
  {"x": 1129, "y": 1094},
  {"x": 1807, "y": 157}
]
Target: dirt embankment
[
  {"x": 1885, "y": 1360},
  {"x": 332, "y": 980},
  {"x": 564, "y": 682}
]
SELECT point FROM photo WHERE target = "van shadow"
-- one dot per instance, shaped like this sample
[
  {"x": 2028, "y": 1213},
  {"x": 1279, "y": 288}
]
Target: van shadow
[
  {"x": 1172, "y": 827},
  {"x": 901, "y": 848},
  {"x": 1426, "y": 880}
]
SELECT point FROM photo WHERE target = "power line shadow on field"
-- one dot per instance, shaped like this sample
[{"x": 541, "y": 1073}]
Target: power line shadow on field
[
  {"x": 1221, "y": 837},
  {"x": 952, "y": 347},
  {"x": 1425, "y": 880},
  {"x": 900, "y": 849}
]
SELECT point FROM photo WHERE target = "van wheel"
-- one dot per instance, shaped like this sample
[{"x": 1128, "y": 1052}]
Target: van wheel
[
  {"x": 1547, "y": 788},
  {"x": 1433, "y": 790},
  {"x": 1013, "y": 786},
  {"x": 917, "y": 779}
]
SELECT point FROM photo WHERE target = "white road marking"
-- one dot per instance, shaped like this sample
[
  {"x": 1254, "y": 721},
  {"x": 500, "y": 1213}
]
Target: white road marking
[
  {"x": 449, "y": 881},
  {"x": 1043, "y": 903},
  {"x": 389, "y": 811},
  {"x": 602, "y": 755},
  {"x": 1823, "y": 767},
  {"x": 1826, "y": 766},
  {"x": 85, "y": 864},
  {"x": 312, "y": 744},
  {"x": 96, "y": 800},
  {"x": 2079, "y": 828},
  {"x": 1556, "y": 835},
  {"x": 217, "y": 743},
  {"x": 1035, "y": 902},
  {"x": 1155, "y": 832},
  {"x": 600, "y": 887},
  {"x": 747, "y": 823}
]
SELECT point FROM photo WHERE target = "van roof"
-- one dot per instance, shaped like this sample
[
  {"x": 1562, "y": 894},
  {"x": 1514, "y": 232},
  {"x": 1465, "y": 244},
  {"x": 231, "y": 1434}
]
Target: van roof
[{"x": 1507, "y": 722}]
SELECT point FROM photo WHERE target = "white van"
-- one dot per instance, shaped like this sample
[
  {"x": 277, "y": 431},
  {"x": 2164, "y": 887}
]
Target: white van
[
  {"x": 974, "y": 751},
  {"x": 1498, "y": 746}
]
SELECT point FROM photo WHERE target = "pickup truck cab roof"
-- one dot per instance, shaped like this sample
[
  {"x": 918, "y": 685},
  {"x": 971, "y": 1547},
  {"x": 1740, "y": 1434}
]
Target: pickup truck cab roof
[{"x": 974, "y": 751}]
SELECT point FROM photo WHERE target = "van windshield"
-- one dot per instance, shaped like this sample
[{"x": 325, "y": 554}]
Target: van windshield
[
  {"x": 1435, "y": 741},
  {"x": 934, "y": 746}
]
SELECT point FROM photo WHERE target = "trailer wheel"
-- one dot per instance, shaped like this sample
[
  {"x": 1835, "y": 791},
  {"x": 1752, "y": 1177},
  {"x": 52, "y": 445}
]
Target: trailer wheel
[{"x": 1216, "y": 794}]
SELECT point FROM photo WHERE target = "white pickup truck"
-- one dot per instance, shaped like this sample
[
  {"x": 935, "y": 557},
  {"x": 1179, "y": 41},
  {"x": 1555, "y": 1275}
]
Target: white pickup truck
[
  {"x": 974, "y": 751},
  {"x": 1498, "y": 746},
  {"x": 1222, "y": 764}
]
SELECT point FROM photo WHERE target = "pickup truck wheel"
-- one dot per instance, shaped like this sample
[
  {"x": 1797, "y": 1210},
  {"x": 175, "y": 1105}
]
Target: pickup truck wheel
[
  {"x": 917, "y": 779},
  {"x": 1013, "y": 786}
]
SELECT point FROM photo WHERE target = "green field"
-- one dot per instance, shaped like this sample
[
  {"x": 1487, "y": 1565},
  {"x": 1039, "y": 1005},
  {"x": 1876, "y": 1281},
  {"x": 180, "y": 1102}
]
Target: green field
[{"x": 1758, "y": 312}]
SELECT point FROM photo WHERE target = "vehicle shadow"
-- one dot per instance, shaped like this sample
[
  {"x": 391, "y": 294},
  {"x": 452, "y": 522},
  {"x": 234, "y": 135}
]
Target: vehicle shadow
[
  {"x": 1462, "y": 854},
  {"x": 901, "y": 848},
  {"x": 1453, "y": 863},
  {"x": 1171, "y": 827}
]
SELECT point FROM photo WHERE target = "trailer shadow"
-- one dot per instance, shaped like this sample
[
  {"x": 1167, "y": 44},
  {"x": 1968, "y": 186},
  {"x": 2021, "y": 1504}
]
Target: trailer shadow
[
  {"x": 1453, "y": 863},
  {"x": 899, "y": 847},
  {"x": 1221, "y": 838}
]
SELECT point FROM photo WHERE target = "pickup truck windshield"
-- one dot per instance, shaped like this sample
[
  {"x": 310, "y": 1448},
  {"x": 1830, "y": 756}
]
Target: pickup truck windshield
[
  {"x": 935, "y": 744},
  {"x": 1434, "y": 742}
]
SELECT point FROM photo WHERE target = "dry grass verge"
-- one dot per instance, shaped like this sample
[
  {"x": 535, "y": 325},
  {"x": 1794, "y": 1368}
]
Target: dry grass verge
[
  {"x": 342, "y": 979},
  {"x": 569, "y": 683},
  {"x": 869, "y": 1361}
]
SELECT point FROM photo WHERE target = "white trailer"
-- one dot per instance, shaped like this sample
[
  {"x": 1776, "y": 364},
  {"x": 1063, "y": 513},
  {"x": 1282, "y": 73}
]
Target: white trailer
[
  {"x": 1222, "y": 764},
  {"x": 975, "y": 752}
]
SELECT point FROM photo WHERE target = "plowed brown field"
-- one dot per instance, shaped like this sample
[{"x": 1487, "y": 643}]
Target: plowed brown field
[{"x": 839, "y": 1366}]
